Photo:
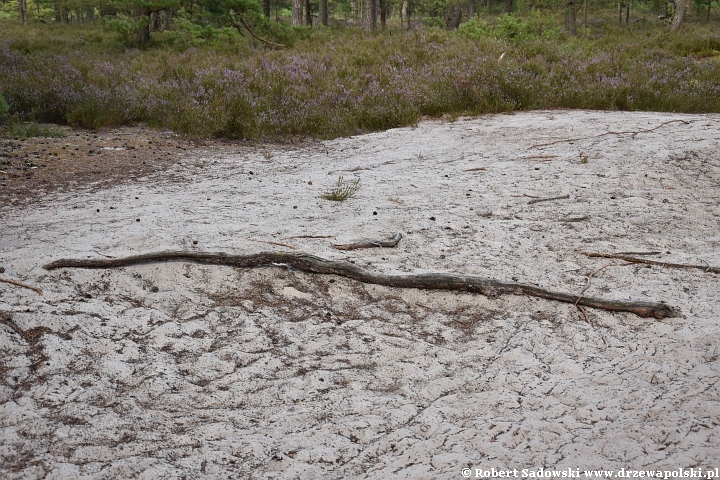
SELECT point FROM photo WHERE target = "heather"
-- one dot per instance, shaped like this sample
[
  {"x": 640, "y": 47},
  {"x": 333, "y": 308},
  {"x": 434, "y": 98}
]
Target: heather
[{"x": 331, "y": 83}]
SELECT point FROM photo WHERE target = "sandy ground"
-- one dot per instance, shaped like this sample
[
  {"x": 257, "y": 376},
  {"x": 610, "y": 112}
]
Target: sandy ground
[{"x": 176, "y": 370}]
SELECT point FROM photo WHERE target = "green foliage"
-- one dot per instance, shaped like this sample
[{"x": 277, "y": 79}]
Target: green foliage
[
  {"x": 203, "y": 80},
  {"x": 537, "y": 25},
  {"x": 18, "y": 129},
  {"x": 474, "y": 29},
  {"x": 511, "y": 27},
  {"x": 4, "y": 108},
  {"x": 125, "y": 25}
]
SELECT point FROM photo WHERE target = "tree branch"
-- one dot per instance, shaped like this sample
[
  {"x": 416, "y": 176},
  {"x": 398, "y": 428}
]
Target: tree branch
[
  {"x": 628, "y": 258},
  {"x": 431, "y": 281},
  {"x": 632, "y": 132}
]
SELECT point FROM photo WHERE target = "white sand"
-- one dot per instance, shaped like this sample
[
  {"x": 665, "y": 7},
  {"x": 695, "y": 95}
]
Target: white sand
[{"x": 168, "y": 370}]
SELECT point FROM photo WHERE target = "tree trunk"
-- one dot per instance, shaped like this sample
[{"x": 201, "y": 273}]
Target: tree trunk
[
  {"x": 90, "y": 13},
  {"x": 370, "y": 16},
  {"x": 570, "y": 23},
  {"x": 585, "y": 7},
  {"x": 453, "y": 17},
  {"x": 707, "y": 19},
  {"x": 266, "y": 8},
  {"x": 383, "y": 14},
  {"x": 297, "y": 18},
  {"x": 308, "y": 14},
  {"x": 323, "y": 7},
  {"x": 627, "y": 12},
  {"x": 471, "y": 9},
  {"x": 22, "y": 7},
  {"x": 508, "y": 6},
  {"x": 679, "y": 15}
]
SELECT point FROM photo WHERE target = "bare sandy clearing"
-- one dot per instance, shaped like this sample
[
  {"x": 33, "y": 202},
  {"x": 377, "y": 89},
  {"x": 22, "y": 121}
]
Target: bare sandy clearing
[{"x": 172, "y": 369}]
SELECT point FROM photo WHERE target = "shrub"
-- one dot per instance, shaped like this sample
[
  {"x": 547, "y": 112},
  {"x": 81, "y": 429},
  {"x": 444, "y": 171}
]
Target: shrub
[
  {"x": 19, "y": 129},
  {"x": 4, "y": 108}
]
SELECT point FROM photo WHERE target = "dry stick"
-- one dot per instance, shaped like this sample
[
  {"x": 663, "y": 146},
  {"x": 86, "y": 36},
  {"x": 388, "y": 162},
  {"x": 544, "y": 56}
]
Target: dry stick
[
  {"x": 20, "y": 284},
  {"x": 574, "y": 219},
  {"x": 432, "y": 281},
  {"x": 630, "y": 259},
  {"x": 306, "y": 236},
  {"x": 538, "y": 200},
  {"x": 633, "y": 133},
  {"x": 539, "y": 157},
  {"x": 273, "y": 243},
  {"x": 477, "y": 169},
  {"x": 587, "y": 285},
  {"x": 371, "y": 244},
  {"x": 244, "y": 23}
]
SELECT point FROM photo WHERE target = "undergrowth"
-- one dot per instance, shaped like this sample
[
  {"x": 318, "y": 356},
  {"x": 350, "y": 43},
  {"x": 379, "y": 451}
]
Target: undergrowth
[
  {"x": 334, "y": 83},
  {"x": 18, "y": 129}
]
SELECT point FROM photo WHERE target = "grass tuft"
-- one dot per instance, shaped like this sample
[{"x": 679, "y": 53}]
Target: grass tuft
[
  {"x": 17, "y": 129},
  {"x": 342, "y": 190}
]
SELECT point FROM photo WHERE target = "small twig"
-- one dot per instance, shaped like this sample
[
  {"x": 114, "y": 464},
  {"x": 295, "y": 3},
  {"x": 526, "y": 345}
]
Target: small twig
[
  {"x": 379, "y": 243},
  {"x": 633, "y": 133},
  {"x": 539, "y": 157},
  {"x": 273, "y": 243},
  {"x": 628, "y": 258},
  {"x": 3, "y": 171},
  {"x": 307, "y": 236},
  {"x": 538, "y": 200},
  {"x": 587, "y": 285},
  {"x": 639, "y": 253},
  {"x": 574, "y": 219},
  {"x": 475, "y": 169},
  {"x": 20, "y": 284}
]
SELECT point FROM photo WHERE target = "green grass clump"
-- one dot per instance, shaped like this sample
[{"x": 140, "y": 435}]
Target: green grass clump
[
  {"x": 342, "y": 190},
  {"x": 17, "y": 129}
]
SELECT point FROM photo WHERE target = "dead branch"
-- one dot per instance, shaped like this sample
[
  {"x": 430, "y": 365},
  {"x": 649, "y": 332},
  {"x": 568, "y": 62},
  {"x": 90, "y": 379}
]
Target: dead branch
[
  {"x": 574, "y": 219},
  {"x": 628, "y": 258},
  {"x": 587, "y": 285},
  {"x": 544, "y": 158},
  {"x": 245, "y": 24},
  {"x": 431, "y": 281},
  {"x": 477, "y": 169},
  {"x": 631, "y": 132},
  {"x": 306, "y": 236},
  {"x": 273, "y": 243},
  {"x": 538, "y": 200},
  {"x": 20, "y": 284},
  {"x": 371, "y": 244}
]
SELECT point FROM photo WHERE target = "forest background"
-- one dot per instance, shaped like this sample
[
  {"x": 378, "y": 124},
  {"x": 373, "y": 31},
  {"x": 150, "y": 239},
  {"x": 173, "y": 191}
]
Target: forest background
[{"x": 269, "y": 69}]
